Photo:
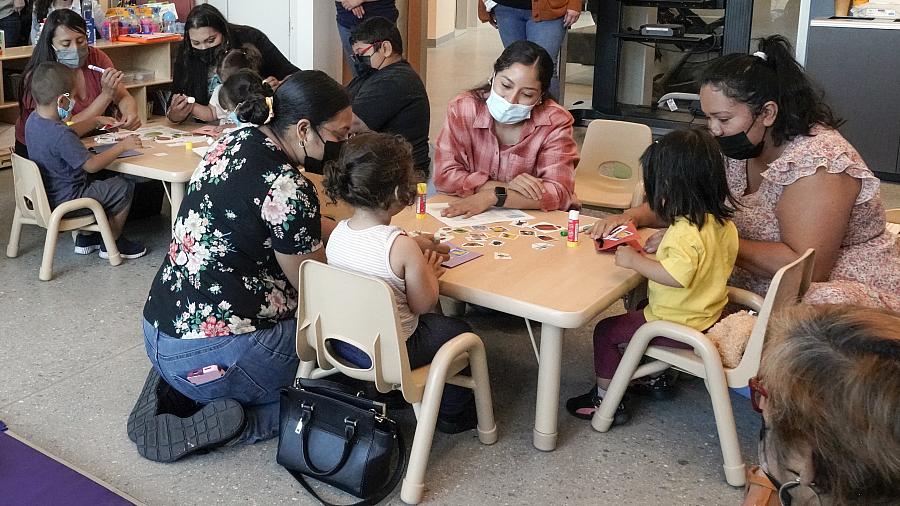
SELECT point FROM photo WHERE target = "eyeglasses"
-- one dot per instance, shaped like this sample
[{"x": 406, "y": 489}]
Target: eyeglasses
[
  {"x": 757, "y": 392},
  {"x": 370, "y": 46}
]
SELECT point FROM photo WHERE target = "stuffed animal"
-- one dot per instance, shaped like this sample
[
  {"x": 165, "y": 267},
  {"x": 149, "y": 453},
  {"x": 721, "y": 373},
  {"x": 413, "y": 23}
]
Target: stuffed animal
[{"x": 730, "y": 336}]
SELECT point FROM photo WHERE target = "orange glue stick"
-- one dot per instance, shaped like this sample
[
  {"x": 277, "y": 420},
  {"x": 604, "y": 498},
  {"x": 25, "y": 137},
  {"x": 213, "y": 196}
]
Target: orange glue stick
[{"x": 572, "y": 232}]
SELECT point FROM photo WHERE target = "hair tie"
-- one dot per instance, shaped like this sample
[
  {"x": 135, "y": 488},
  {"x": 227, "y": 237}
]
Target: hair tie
[
  {"x": 269, "y": 102},
  {"x": 762, "y": 56}
]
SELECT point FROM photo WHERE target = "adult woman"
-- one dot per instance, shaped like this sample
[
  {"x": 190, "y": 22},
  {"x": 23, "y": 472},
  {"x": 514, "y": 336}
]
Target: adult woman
[
  {"x": 226, "y": 293},
  {"x": 208, "y": 36},
  {"x": 508, "y": 143},
  {"x": 798, "y": 182},
  {"x": 64, "y": 39},
  {"x": 543, "y": 22},
  {"x": 829, "y": 392}
]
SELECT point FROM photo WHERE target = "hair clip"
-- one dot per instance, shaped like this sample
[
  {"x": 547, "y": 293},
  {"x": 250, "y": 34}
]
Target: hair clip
[
  {"x": 270, "y": 103},
  {"x": 762, "y": 56}
]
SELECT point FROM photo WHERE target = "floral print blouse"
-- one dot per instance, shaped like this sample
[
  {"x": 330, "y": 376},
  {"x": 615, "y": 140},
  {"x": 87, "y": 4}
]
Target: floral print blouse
[{"x": 244, "y": 202}]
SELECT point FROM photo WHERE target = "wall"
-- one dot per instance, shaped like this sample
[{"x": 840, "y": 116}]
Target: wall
[{"x": 441, "y": 20}]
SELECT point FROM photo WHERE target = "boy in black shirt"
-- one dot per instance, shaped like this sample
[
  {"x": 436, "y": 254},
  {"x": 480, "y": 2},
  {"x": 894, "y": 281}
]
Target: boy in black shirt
[{"x": 387, "y": 95}]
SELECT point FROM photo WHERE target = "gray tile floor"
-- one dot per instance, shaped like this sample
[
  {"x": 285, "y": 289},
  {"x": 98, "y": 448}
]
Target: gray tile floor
[{"x": 72, "y": 363}]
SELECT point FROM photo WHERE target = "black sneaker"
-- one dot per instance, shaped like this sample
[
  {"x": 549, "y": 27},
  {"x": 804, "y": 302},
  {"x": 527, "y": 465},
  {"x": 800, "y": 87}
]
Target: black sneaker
[
  {"x": 659, "y": 388},
  {"x": 157, "y": 398},
  {"x": 584, "y": 406},
  {"x": 167, "y": 438},
  {"x": 85, "y": 244},
  {"x": 127, "y": 249},
  {"x": 465, "y": 420}
]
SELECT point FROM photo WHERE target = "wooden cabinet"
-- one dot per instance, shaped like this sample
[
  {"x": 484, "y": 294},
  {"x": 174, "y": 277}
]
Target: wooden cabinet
[{"x": 125, "y": 56}]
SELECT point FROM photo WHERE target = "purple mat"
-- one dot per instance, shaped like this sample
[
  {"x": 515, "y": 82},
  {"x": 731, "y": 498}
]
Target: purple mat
[{"x": 27, "y": 476}]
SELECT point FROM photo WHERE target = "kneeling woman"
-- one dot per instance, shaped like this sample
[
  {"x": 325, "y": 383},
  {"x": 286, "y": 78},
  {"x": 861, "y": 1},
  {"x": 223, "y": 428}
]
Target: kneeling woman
[{"x": 226, "y": 293}]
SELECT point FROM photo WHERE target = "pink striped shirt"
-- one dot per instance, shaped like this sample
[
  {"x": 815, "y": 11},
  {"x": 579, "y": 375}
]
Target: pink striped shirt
[{"x": 468, "y": 153}]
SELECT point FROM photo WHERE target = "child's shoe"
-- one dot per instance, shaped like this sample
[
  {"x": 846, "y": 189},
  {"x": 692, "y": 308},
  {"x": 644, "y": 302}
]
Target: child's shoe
[
  {"x": 584, "y": 406},
  {"x": 660, "y": 388},
  {"x": 127, "y": 249},
  {"x": 85, "y": 244}
]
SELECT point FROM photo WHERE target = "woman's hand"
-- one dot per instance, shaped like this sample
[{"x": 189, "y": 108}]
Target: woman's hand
[
  {"x": 107, "y": 123},
  {"x": 359, "y": 12},
  {"x": 571, "y": 18},
  {"x": 434, "y": 261},
  {"x": 471, "y": 205},
  {"x": 273, "y": 82},
  {"x": 604, "y": 226},
  {"x": 351, "y": 4},
  {"x": 529, "y": 186},
  {"x": 110, "y": 81},
  {"x": 179, "y": 108}
]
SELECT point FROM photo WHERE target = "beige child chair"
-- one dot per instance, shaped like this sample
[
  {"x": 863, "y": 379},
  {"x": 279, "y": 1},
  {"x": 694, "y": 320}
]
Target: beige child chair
[
  {"x": 33, "y": 208},
  {"x": 893, "y": 220},
  {"x": 610, "y": 149},
  {"x": 330, "y": 296},
  {"x": 787, "y": 287}
]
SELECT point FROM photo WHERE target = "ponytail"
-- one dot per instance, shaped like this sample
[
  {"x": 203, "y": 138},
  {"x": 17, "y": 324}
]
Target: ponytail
[
  {"x": 772, "y": 74},
  {"x": 248, "y": 96}
]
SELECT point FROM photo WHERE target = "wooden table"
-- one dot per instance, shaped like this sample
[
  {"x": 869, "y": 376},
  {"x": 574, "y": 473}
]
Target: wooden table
[
  {"x": 172, "y": 165},
  {"x": 561, "y": 287}
]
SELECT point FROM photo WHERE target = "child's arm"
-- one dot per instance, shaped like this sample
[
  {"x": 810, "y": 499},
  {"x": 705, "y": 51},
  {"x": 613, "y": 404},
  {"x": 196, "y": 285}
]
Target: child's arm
[
  {"x": 82, "y": 128},
  {"x": 99, "y": 162},
  {"x": 421, "y": 273},
  {"x": 630, "y": 258}
]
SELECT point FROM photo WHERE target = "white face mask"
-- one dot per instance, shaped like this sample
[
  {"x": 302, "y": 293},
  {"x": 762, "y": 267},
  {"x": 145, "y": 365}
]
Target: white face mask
[{"x": 505, "y": 112}]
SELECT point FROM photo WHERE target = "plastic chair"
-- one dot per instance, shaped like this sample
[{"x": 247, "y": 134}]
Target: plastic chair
[
  {"x": 609, "y": 147},
  {"x": 787, "y": 287},
  {"x": 893, "y": 220},
  {"x": 330, "y": 296},
  {"x": 33, "y": 208}
]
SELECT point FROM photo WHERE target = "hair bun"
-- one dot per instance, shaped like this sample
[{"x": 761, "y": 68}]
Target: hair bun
[{"x": 254, "y": 109}]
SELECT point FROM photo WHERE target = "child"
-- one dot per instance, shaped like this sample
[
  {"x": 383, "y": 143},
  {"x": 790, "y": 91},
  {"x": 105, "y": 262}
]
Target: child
[
  {"x": 233, "y": 95},
  {"x": 247, "y": 57},
  {"x": 374, "y": 175},
  {"x": 684, "y": 176},
  {"x": 65, "y": 163}
]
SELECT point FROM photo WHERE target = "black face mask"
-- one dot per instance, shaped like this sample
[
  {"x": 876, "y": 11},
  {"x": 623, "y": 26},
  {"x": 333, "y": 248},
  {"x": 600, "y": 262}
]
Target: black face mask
[
  {"x": 362, "y": 65},
  {"x": 210, "y": 55},
  {"x": 332, "y": 152}
]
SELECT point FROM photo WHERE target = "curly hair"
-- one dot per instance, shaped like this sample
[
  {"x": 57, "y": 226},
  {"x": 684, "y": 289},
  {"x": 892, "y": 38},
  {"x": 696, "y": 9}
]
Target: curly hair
[{"x": 374, "y": 171}]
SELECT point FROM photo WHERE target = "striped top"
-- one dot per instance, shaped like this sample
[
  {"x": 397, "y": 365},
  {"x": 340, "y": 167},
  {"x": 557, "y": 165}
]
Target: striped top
[{"x": 367, "y": 252}]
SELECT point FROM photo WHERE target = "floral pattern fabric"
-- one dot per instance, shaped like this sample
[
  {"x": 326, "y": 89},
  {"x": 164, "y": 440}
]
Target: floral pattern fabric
[
  {"x": 867, "y": 270},
  {"x": 220, "y": 276}
]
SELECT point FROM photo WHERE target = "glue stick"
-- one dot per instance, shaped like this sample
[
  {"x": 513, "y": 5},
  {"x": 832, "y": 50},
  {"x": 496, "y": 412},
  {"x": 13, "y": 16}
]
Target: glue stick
[
  {"x": 421, "y": 190},
  {"x": 572, "y": 232}
]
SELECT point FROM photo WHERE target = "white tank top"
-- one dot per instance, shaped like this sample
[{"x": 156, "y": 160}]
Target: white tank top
[{"x": 367, "y": 252}]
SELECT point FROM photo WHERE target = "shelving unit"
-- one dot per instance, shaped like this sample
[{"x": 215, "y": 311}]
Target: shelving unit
[
  {"x": 124, "y": 55},
  {"x": 611, "y": 34}
]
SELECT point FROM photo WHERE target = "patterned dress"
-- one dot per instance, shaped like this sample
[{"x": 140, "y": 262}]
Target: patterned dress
[
  {"x": 867, "y": 269},
  {"x": 220, "y": 276}
]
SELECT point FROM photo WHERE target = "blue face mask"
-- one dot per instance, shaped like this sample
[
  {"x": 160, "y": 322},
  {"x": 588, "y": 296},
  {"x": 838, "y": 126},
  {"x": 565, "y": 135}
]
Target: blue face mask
[
  {"x": 232, "y": 118},
  {"x": 64, "y": 114}
]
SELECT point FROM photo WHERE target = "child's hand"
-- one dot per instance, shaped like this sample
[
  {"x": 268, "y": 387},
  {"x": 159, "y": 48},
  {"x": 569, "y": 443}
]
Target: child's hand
[
  {"x": 428, "y": 243},
  {"x": 434, "y": 260},
  {"x": 625, "y": 256},
  {"x": 131, "y": 142},
  {"x": 273, "y": 82},
  {"x": 604, "y": 226}
]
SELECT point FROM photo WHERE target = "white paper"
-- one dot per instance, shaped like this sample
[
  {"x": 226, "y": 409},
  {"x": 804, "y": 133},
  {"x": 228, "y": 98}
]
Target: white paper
[{"x": 492, "y": 215}]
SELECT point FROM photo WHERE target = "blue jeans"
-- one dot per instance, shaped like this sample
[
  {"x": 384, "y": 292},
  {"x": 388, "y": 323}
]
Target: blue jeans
[
  {"x": 517, "y": 24},
  {"x": 345, "y": 32},
  {"x": 258, "y": 364}
]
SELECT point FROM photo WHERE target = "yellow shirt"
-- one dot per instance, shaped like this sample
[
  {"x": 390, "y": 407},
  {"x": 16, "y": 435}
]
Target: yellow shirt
[{"x": 701, "y": 260}]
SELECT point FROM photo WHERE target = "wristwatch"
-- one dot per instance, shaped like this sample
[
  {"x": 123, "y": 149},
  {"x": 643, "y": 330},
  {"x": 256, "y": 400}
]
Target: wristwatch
[{"x": 500, "y": 193}]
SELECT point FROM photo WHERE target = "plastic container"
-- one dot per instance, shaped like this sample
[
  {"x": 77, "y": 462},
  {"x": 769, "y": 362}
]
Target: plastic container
[
  {"x": 88, "y": 14},
  {"x": 137, "y": 76}
]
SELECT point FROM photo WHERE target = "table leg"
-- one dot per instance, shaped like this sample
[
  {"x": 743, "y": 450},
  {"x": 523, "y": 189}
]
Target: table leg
[
  {"x": 547, "y": 405},
  {"x": 177, "y": 196}
]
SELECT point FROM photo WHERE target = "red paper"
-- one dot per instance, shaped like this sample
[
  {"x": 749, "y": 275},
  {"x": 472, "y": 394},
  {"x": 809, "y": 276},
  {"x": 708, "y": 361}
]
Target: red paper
[{"x": 623, "y": 234}]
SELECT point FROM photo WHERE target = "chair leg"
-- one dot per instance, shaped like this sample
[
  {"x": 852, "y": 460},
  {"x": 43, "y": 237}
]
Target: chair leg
[
  {"x": 603, "y": 417},
  {"x": 487, "y": 427},
  {"x": 414, "y": 482},
  {"x": 717, "y": 386},
  {"x": 12, "y": 249},
  {"x": 452, "y": 307},
  {"x": 46, "y": 272},
  {"x": 108, "y": 240}
]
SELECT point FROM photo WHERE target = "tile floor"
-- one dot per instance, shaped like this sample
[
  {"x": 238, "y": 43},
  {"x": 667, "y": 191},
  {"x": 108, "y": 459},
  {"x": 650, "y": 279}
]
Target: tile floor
[{"x": 72, "y": 362}]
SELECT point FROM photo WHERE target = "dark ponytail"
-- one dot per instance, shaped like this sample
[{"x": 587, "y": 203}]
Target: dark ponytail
[
  {"x": 773, "y": 75},
  {"x": 310, "y": 95},
  {"x": 374, "y": 171},
  {"x": 246, "y": 93}
]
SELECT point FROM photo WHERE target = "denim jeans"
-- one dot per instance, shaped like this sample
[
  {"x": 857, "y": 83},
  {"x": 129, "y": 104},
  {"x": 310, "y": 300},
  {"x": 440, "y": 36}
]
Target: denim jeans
[
  {"x": 257, "y": 365},
  {"x": 344, "y": 33},
  {"x": 517, "y": 24}
]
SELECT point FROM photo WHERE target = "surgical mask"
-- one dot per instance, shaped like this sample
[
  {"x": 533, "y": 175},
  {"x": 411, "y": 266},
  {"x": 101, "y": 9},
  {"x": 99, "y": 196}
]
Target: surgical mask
[
  {"x": 739, "y": 147},
  {"x": 233, "y": 118},
  {"x": 332, "y": 151},
  {"x": 505, "y": 112},
  {"x": 72, "y": 57},
  {"x": 65, "y": 113}
]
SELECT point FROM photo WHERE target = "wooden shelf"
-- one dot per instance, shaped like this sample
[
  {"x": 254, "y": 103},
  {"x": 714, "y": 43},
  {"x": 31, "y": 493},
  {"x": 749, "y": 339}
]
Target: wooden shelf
[{"x": 144, "y": 84}]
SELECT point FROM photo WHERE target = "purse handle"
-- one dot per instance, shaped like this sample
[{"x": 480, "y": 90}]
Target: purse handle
[
  {"x": 375, "y": 498},
  {"x": 349, "y": 436}
]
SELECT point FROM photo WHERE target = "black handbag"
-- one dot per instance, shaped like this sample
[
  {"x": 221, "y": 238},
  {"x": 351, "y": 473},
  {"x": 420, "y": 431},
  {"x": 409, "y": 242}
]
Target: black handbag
[{"x": 333, "y": 434}]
